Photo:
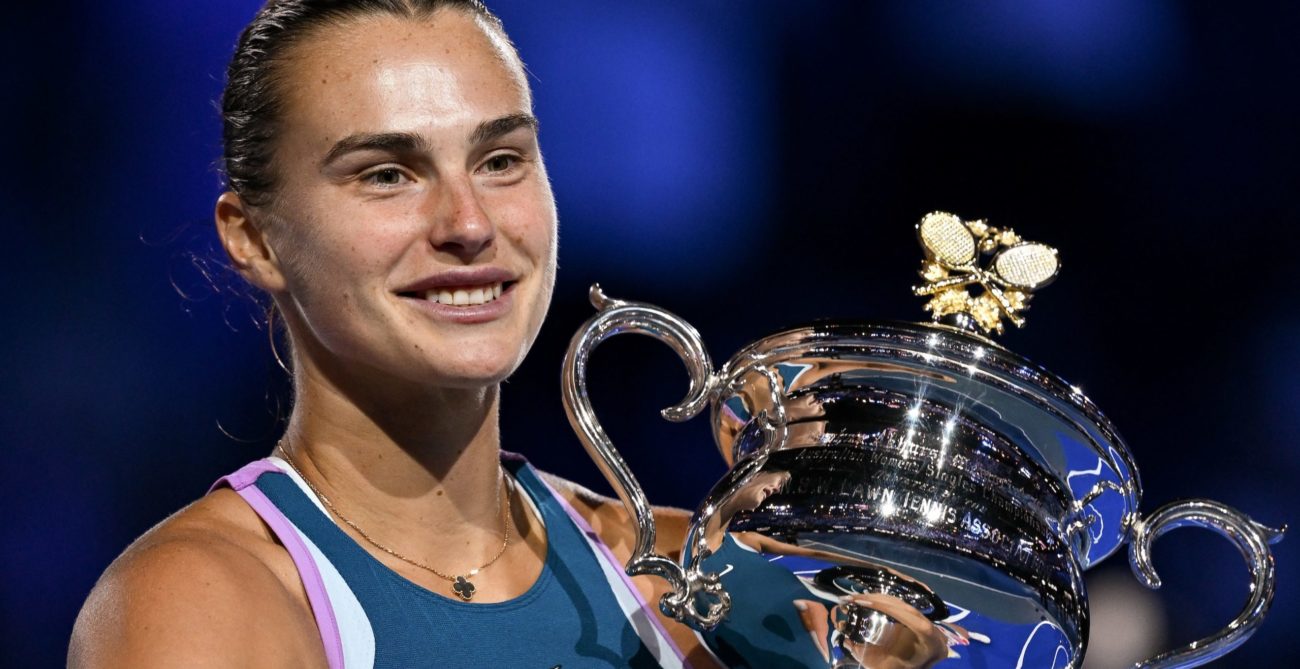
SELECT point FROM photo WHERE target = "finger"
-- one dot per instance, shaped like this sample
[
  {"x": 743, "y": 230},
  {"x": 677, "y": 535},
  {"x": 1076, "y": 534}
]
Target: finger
[{"x": 815, "y": 619}]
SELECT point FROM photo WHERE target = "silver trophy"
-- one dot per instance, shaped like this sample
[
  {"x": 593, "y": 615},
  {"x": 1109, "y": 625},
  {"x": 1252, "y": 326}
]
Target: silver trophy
[{"x": 912, "y": 494}]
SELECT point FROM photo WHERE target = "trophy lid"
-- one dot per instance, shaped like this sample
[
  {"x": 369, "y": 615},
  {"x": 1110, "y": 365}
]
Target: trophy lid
[{"x": 943, "y": 390}]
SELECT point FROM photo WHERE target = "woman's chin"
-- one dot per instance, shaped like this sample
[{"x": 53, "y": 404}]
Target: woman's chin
[
  {"x": 470, "y": 382},
  {"x": 462, "y": 374}
]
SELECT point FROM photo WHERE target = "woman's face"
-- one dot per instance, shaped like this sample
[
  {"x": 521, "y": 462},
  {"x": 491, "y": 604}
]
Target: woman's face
[
  {"x": 413, "y": 223},
  {"x": 758, "y": 489}
]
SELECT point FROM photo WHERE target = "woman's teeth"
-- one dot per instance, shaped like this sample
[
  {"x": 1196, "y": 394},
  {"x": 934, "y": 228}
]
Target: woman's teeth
[{"x": 465, "y": 297}]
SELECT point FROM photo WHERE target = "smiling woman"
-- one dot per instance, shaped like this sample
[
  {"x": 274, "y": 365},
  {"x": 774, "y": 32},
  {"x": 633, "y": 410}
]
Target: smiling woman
[{"x": 387, "y": 192}]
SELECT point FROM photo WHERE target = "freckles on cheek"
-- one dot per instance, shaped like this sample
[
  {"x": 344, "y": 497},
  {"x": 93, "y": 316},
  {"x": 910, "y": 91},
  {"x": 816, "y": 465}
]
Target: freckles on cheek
[
  {"x": 344, "y": 305},
  {"x": 531, "y": 224}
]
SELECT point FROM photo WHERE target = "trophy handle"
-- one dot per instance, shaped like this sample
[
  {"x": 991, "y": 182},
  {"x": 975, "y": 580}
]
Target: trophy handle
[
  {"x": 689, "y": 587},
  {"x": 1250, "y": 537}
]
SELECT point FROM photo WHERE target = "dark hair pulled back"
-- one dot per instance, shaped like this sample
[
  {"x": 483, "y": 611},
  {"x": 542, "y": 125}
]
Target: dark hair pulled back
[{"x": 252, "y": 102}]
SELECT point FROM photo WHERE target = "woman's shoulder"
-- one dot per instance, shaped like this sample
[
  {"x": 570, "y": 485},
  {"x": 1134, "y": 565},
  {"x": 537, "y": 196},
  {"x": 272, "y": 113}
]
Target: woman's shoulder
[{"x": 209, "y": 585}]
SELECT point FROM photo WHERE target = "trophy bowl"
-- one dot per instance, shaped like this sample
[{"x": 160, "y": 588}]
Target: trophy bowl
[{"x": 900, "y": 494}]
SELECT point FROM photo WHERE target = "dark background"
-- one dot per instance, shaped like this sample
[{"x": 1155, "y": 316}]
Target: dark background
[{"x": 746, "y": 165}]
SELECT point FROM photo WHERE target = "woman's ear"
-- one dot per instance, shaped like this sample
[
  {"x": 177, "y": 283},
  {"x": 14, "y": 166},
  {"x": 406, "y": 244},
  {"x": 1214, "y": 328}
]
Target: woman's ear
[{"x": 246, "y": 244}]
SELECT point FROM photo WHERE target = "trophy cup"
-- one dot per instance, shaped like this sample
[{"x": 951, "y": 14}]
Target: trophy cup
[{"x": 912, "y": 494}]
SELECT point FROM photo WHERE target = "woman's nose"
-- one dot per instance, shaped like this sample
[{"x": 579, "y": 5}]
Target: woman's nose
[{"x": 461, "y": 226}]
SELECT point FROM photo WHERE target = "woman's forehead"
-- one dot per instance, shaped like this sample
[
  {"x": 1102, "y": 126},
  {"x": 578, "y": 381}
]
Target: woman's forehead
[{"x": 394, "y": 73}]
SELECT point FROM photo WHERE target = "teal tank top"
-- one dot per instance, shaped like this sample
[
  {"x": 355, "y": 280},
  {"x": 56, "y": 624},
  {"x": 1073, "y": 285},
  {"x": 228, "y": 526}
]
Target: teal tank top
[{"x": 582, "y": 611}]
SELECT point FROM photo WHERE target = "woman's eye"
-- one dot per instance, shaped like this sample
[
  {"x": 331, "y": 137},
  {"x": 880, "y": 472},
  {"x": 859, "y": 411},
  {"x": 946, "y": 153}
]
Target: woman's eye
[
  {"x": 386, "y": 177},
  {"x": 500, "y": 163}
]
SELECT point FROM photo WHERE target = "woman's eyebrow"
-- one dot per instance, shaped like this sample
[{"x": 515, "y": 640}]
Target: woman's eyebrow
[
  {"x": 392, "y": 142},
  {"x": 495, "y": 128},
  {"x": 409, "y": 142}
]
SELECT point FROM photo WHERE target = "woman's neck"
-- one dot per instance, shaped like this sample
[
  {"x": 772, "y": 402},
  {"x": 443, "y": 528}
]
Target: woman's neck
[{"x": 417, "y": 469}]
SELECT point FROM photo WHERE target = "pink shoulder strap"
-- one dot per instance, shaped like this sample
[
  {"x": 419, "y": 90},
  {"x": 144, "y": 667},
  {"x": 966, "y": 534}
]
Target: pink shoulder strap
[{"x": 242, "y": 483}]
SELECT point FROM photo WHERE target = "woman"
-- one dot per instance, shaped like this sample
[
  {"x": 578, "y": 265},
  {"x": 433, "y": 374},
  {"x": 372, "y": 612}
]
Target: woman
[{"x": 387, "y": 192}]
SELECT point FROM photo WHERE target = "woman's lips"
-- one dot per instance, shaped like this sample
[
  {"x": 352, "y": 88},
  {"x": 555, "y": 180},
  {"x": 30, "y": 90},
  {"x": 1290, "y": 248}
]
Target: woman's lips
[
  {"x": 465, "y": 296},
  {"x": 465, "y": 304}
]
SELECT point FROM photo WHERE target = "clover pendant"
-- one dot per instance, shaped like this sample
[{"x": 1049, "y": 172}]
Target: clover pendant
[{"x": 463, "y": 588}]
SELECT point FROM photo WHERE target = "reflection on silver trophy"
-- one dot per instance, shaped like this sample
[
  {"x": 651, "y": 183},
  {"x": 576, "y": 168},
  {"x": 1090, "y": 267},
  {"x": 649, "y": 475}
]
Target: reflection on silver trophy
[{"x": 911, "y": 494}]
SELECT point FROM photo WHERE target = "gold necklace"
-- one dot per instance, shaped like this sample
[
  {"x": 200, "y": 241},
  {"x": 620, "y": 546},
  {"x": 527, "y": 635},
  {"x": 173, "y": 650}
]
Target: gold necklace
[{"x": 459, "y": 584}]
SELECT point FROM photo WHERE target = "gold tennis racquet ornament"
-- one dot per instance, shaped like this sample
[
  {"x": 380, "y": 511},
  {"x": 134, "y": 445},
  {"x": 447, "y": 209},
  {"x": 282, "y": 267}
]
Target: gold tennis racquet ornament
[{"x": 953, "y": 249}]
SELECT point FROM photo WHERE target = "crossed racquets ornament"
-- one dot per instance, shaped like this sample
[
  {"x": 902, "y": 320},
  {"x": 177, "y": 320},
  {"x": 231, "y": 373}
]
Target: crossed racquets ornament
[{"x": 953, "y": 250}]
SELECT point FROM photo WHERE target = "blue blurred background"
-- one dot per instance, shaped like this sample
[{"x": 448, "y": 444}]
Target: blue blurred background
[{"x": 749, "y": 165}]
